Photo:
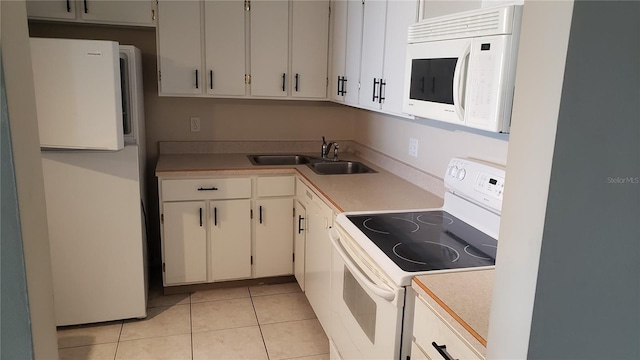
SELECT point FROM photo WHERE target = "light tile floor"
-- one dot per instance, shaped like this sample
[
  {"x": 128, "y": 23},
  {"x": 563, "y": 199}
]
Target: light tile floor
[{"x": 257, "y": 322}]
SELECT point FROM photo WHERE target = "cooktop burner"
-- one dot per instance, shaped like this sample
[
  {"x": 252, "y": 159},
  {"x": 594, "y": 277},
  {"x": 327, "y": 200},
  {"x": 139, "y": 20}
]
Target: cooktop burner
[{"x": 427, "y": 240}]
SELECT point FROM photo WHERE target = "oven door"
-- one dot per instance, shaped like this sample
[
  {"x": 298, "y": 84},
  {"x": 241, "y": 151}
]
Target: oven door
[
  {"x": 366, "y": 314},
  {"x": 435, "y": 80}
]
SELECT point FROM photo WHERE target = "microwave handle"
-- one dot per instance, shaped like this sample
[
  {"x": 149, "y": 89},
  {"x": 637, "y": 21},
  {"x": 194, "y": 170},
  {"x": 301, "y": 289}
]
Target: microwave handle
[
  {"x": 458, "y": 81},
  {"x": 388, "y": 295}
]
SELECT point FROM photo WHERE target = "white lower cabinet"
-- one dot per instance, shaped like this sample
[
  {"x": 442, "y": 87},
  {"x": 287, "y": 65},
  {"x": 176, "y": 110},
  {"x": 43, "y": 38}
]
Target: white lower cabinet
[
  {"x": 274, "y": 239},
  {"x": 221, "y": 229},
  {"x": 299, "y": 239},
  {"x": 230, "y": 233},
  {"x": 185, "y": 242},
  {"x": 431, "y": 330},
  {"x": 317, "y": 248}
]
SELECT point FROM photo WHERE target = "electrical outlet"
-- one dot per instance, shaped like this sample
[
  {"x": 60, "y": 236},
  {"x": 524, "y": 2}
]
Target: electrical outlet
[
  {"x": 195, "y": 124},
  {"x": 413, "y": 147}
]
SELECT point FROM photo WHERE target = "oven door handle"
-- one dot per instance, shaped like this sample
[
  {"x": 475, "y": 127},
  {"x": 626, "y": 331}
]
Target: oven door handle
[{"x": 334, "y": 237}]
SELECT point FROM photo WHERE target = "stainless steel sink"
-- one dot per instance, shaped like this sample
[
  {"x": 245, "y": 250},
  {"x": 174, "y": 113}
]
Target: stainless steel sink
[
  {"x": 340, "y": 167},
  {"x": 279, "y": 159}
]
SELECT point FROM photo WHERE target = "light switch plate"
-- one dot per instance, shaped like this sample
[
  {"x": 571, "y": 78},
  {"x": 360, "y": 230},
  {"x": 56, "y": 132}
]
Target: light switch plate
[
  {"x": 195, "y": 124},
  {"x": 413, "y": 147}
]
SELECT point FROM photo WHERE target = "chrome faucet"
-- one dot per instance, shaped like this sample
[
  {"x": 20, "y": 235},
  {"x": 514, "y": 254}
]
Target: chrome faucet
[{"x": 326, "y": 147}]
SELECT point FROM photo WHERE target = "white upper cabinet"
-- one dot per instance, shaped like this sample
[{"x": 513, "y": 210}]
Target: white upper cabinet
[
  {"x": 117, "y": 12},
  {"x": 234, "y": 48},
  {"x": 269, "y": 47},
  {"x": 310, "y": 44},
  {"x": 179, "y": 50},
  {"x": 400, "y": 14},
  {"x": 373, "y": 31},
  {"x": 369, "y": 46},
  {"x": 346, "y": 39},
  {"x": 224, "y": 39}
]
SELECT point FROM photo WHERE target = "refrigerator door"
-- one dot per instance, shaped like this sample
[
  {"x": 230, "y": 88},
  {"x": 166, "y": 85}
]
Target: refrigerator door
[
  {"x": 78, "y": 93},
  {"x": 96, "y": 234}
]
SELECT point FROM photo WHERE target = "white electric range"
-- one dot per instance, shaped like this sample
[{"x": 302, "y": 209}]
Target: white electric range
[{"x": 376, "y": 254}]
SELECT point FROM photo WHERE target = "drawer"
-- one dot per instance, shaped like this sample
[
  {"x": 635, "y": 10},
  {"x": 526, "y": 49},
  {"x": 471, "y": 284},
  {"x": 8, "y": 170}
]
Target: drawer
[
  {"x": 429, "y": 327},
  {"x": 204, "y": 189},
  {"x": 275, "y": 186}
]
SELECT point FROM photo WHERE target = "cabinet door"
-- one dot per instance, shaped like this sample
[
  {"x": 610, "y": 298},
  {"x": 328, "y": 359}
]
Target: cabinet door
[
  {"x": 355, "y": 14},
  {"x": 318, "y": 260},
  {"x": 310, "y": 45},
  {"x": 274, "y": 238},
  {"x": 299, "y": 234},
  {"x": 132, "y": 12},
  {"x": 230, "y": 251},
  {"x": 224, "y": 24},
  {"x": 400, "y": 14},
  {"x": 269, "y": 47},
  {"x": 372, "y": 53},
  {"x": 51, "y": 9},
  {"x": 184, "y": 242},
  {"x": 179, "y": 53},
  {"x": 339, "y": 47}
]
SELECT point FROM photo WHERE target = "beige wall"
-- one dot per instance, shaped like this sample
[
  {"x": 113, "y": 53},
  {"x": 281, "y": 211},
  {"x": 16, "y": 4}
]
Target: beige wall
[
  {"x": 437, "y": 142},
  {"x": 16, "y": 57}
]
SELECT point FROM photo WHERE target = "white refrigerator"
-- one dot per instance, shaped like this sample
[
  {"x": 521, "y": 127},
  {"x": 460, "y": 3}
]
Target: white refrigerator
[{"x": 91, "y": 120}]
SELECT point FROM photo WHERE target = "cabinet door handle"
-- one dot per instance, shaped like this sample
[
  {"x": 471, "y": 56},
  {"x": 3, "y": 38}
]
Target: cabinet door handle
[
  {"x": 68, "y": 6},
  {"x": 442, "y": 350},
  {"x": 382, "y": 86},
  {"x": 344, "y": 84},
  {"x": 215, "y": 216},
  {"x": 211, "y": 79},
  {"x": 339, "y": 82},
  {"x": 300, "y": 218},
  {"x": 197, "y": 85},
  {"x": 201, "y": 217},
  {"x": 297, "y": 76},
  {"x": 86, "y": 7},
  {"x": 260, "y": 214},
  {"x": 207, "y": 189},
  {"x": 283, "y": 80},
  {"x": 375, "y": 83}
]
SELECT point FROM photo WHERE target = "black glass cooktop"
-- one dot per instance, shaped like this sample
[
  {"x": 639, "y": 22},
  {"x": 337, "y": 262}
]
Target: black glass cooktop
[{"x": 428, "y": 240}]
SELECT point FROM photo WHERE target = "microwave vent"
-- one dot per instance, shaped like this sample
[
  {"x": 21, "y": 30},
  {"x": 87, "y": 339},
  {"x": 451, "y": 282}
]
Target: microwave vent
[{"x": 483, "y": 22}]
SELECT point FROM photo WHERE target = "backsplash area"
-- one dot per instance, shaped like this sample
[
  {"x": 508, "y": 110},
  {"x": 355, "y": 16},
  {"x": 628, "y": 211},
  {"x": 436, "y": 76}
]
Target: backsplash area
[{"x": 409, "y": 173}]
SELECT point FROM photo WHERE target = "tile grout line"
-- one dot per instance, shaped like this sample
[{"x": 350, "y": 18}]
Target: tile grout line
[
  {"x": 191, "y": 324},
  {"x": 115, "y": 355},
  {"x": 259, "y": 325}
]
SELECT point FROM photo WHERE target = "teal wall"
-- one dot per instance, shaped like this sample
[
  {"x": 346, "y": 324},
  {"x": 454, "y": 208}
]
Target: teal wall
[{"x": 15, "y": 325}]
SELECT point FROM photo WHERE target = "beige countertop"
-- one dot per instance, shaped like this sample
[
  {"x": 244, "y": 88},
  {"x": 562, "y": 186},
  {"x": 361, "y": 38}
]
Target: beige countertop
[
  {"x": 463, "y": 299},
  {"x": 353, "y": 192}
]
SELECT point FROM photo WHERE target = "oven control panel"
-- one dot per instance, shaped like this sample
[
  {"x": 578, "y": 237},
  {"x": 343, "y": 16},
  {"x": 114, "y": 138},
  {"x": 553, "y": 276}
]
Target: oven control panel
[{"x": 477, "y": 181}]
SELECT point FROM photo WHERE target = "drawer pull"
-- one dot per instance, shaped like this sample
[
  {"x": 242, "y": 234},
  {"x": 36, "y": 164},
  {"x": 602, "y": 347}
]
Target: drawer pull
[
  {"x": 442, "y": 349},
  {"x": 207, "y": 189}
]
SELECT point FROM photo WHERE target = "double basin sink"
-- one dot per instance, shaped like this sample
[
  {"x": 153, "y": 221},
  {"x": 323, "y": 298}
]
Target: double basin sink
[{"x": 318, "y": 165}]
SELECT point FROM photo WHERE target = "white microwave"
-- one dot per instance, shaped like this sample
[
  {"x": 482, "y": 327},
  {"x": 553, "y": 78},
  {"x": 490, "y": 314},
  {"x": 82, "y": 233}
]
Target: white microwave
[{"x": 461, "y": 68}]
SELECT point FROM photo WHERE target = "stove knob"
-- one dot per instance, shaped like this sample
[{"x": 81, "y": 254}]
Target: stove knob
[
  {"x": 453, "y": 170},
  {"x": 461, "y": 174}
]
